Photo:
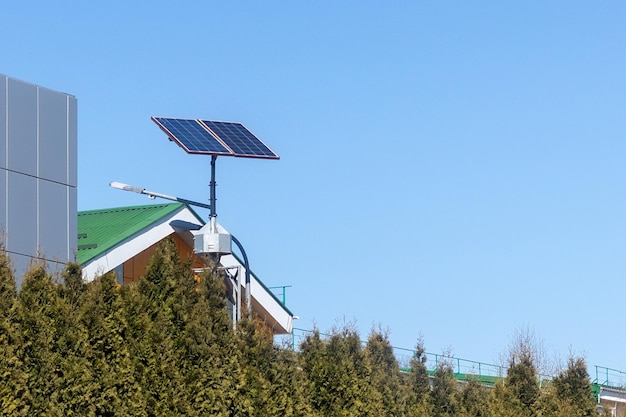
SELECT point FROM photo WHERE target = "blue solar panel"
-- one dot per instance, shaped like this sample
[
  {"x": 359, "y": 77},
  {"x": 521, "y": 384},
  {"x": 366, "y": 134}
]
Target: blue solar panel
[
  {"x": 214, "y": 138},
  {"x": 240, "y": 140},
  {"x": 191, "y": 136}
]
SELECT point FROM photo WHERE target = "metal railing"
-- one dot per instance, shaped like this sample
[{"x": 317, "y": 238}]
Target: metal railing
[
  {"x": 610, "y": 378},
  {"x": 463, "y": 369},
  {"x": 280, "y": 292}
]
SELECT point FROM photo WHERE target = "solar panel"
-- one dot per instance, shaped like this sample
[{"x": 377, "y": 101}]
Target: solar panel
[
  {"x": 214, "y": 138},
  {"x": 240, "y": 140},
  {"x": 191, "y": 136}
]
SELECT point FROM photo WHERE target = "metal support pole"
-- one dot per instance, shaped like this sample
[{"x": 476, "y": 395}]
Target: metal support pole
[
  {"x": 235, "y": 297},
  {"x": 238, "y": 294},
  {"x": 212, "y": 186},
  {"x": 248, "y": 283}
]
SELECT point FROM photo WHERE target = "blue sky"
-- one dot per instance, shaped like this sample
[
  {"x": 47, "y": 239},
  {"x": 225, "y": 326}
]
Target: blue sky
[{"x": 453, "y": 170}]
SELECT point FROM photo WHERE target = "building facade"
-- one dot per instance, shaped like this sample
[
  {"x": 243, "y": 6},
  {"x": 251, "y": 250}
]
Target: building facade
[
  {"x": 122, "y": 240},
  {"x": 38, "y": 173}
]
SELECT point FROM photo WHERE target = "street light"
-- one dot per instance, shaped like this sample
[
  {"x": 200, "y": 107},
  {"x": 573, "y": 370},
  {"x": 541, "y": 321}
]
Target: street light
[{"x": 207, "y": 239}]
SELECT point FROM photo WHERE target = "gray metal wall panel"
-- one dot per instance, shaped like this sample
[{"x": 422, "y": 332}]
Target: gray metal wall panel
[
  {"x": 22, "y": 214},
  {"x": 38, "y": 140},
  {"x": 22, "y": 127},
  {"x": 3, "y": 203},
  {"x": 3, "y": 121},
  {"x": 72, "y": 223},
  {"x": 72, "y": 141},
  {"x": 20, "y": 266},
  {"x": 53, "y": 136},
  {"x": 53, "y": 214}
]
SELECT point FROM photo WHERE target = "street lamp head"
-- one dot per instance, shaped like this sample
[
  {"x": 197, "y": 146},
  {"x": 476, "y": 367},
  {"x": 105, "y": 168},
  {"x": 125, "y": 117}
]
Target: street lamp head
[{"x": 126, "y": 187}]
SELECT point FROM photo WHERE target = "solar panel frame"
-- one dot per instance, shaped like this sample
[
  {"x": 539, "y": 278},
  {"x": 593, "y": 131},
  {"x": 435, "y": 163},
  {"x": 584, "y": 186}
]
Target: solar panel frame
[
  {"x": 239, "y": 139},
  {"x": 207, "y": 137},
  {"x": 192, "y": 136}
]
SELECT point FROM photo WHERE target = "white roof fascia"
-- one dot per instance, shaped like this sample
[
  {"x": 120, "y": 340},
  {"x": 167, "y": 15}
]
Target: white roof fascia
[
  {"x": 136, "y": 244},
  {"x": 263, "y": 302},
  {"x": 608, "y": 394}
]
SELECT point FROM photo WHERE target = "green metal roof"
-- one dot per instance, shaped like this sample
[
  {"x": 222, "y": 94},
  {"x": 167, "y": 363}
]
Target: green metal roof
[{"x": 100, "y": 230}]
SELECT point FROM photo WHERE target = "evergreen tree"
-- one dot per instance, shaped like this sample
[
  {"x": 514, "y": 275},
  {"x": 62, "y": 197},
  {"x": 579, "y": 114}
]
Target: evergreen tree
[
  {"x": 418, "y": 397},
  {"x": 211, "y": 359},
  {"x": 314, "y": 363},
  {"x": 114, "y": 389},
  {"x": 385, "y": 374},
  {"x": 474, "y": 400},
  {"x": 184, "y": 351},
  {"x": 74, "y": 287},
  {"x": 14, "y": 393},
  {"x": 274, "y": 386},
  {"x": 517, "y": 394},
  {"x": 549, "y": 405},
  {"x": 339, "y": 374},
  {"x": 154, "y": 325},
  {"x": 573, "y": 389},
  {"x": 75, "y": 380},
  {"x": 501, "y": 401},
  {"x": 165, "y": 346},
  {"x": 444, "y": 391},
  {"x": 522, "y": 382},
  {"x": 38, "y": 321}
]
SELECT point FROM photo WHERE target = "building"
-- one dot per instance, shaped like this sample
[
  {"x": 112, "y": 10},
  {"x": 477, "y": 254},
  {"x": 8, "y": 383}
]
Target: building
[
  {"x": 38, "y": 154},
  {"x": 123, "y": 239}
]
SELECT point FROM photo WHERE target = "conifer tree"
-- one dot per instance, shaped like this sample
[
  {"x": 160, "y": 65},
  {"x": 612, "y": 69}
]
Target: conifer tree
[
  {"x": 74, "y": 387},
  {"x": 522, "y": 383},
  {"x": 14, "y": 393},
  {"x": 418, "y": 399},
  {"x": 273, "y": 385},
  {"x": 573, "y": 389},
  {"x": 549, "y": 405},
  {"x": 115, "y": 390},
  {"x": 339, "y": 374},
  {"x": 211, "y": 357},
  {"x": 444, "y": 392},
  {"x": 518, "y": 393},
  {"x": 184, "y": 351},
  {"x": 474, "y": 400},
  {"x": 74, "y": 287},
  {"x": 153, "y": 318},
  {"x": 37, "y": 320},
  {"x": 385, "y": 375},
  {"x": 294, "y": 385},
  {"x": 501, "y": 401}
]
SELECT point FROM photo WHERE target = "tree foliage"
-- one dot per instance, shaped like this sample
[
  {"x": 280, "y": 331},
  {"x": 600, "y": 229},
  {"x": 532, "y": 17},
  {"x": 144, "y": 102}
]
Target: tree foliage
[
  {"x": 569, "y": 393},
  {"x": 166, "y": 346},
  {"x": 474, "y": 400},
  {"x": 418, "y": 399},
  {"x": 444, "y": 393},
  {"x": 385, "y": 377}
]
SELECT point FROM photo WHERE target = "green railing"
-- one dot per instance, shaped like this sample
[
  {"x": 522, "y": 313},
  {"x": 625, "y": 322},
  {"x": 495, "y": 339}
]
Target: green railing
[
  {"x": 280, "y": 292},
  {"x": 610, "y": 378},
  {"x": 463, "y": 369}
]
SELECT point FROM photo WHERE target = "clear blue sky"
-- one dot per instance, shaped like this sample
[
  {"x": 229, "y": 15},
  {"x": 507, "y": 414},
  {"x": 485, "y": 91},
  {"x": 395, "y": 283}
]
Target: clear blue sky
[{"x": 451, "y": 169}]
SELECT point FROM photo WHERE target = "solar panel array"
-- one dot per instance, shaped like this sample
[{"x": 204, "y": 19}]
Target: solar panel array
[
  {"x": 189, "y": 134},
  {"x": 214, "y": 138}
]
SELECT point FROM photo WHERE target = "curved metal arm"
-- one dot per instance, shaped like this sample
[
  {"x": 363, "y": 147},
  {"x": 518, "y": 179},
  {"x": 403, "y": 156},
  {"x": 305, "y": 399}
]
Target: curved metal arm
[{"x": 247, "y": 266}]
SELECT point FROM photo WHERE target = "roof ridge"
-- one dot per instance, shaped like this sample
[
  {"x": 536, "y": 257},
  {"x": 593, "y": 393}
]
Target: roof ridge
[{"x": 128, "y": 208}]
